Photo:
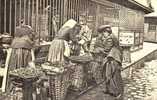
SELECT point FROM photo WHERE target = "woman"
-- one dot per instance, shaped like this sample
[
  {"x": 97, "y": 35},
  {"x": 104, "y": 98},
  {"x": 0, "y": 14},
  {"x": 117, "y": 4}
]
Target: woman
[
  {"x": 114, "y": 82},
  {"x": 21, "y": 47},
  {"x": 102, "y": 46},
  {"x": 59, "y": 49},
  {"x": 112, "y": 63}
]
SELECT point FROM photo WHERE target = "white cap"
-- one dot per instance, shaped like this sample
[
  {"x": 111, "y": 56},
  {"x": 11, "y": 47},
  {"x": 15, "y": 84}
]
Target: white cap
[{"x": 70, "y": 23}]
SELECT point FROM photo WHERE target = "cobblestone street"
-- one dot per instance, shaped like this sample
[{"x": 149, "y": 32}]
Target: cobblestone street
[{"x": 142, "y": 85}]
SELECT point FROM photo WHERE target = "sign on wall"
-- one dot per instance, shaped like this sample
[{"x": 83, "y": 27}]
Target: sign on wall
[{"x": 126, "y": 38}]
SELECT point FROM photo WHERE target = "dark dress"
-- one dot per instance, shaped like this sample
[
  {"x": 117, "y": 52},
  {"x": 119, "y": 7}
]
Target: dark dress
[
  {"x": 101, "y": 49},
  {"x": 109, "y": 68},
  {"x": 114, "y": 82}
]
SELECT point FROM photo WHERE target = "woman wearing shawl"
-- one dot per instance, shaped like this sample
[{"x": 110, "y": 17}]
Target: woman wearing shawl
[
  {"x": 21, "y": 47},
  {"x": 102, "y": 47},
  {"x": 20, "y": 50},
  {"x": 59, "y": 49},
  {"x": 112, "y": 63}
]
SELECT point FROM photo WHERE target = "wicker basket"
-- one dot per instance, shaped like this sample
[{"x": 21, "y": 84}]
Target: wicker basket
[
  {"x": 59, "y": 82},
  {"x": 6, "y": 38},
  {"x": 78, "y": 77},
  {"x": 97, "y": 72}
]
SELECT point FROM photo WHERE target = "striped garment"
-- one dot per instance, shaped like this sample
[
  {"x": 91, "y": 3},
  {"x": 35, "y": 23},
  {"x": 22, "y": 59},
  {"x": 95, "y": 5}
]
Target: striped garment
[{"x": 19, "y": 58}]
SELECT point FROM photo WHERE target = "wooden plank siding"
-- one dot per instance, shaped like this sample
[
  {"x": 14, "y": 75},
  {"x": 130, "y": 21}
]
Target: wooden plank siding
[
  {"x": 40, "y": 14},
  {"x": 35, "y": 12}
]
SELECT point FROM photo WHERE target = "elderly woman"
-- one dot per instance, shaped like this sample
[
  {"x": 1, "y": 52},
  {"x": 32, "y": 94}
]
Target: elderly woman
[
  {"x": 60, "y": 49},
  {"x": 102, "y": 47},
  {"x": 21, "y": 47},
  {"x": 111, "y": 51}
]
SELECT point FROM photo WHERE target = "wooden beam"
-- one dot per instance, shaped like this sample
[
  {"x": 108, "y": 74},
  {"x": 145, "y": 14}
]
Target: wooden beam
[
  {"x": 0, "y": 16},
  {"x": 29, "y": 12},
  {"x": 5, "y": 22},
  {"x": 10, "y": 19},
  {"x": 20, "y": 14},
  {"x": 24, "y": 11},
  {"x": 5, "y": 73},
  {"x": 15, "y": 17}
]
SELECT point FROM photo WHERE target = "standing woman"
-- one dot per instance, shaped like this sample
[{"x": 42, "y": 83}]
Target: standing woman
[
  {"x": 112, "y": 64},
  {"x": 60, "y": 49},
  {"x": 21, "y": 47}
]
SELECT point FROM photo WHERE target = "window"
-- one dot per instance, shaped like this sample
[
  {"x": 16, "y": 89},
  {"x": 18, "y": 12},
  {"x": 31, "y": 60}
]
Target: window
[{"x": 152, "y": 27}]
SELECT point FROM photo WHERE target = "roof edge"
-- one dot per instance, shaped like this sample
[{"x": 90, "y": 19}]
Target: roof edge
[{"x": 146, "y": 9}]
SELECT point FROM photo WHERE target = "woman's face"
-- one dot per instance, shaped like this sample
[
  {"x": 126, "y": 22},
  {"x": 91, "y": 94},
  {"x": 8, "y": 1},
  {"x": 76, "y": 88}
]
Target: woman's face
[
  {"x": 74, "y": 35},
  {"x": 105, "y": 33}
]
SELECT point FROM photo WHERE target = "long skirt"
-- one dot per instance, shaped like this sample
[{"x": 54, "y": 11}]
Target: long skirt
[
  {"x": 58, "y": 49},
  {"x": 114, "y": 82},
  {"x": 19, "y": 58}
]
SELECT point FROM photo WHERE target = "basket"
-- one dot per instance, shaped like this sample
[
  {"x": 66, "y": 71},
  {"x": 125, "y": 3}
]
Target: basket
[
  {"x": 78, "y": 77},
  {"x": 59, "y": 81},
  {"x": 6, "y": 39},
  {"x": 80, "y": 74},
  {"x": 96, "y": 70},
  {"x": 59, "y": 84}
]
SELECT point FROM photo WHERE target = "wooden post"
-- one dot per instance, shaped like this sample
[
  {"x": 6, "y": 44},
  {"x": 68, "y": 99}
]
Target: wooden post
[
  {"x": 0, "y": 15},
  {"x": 29, "y": 12},
  {"x": 32, "y": 15},
  {"x": 5, "y": 4},
  {"x": 10, "y": 17},
  {"x": 20, "y": 14},
  {"x": 15, "y": 18},
  {"x": 36, "y": 16},
  {"x": 24, "y": 11},
  {"x": 5, "y": 75}
]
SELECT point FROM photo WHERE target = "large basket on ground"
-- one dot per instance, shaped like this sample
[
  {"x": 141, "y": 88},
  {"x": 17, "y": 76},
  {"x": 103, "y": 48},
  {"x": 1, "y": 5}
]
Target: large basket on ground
[
  {"x": 80, "y": 74},
  {"x": 96, "y": 70},
  {"x": 59, "y": 81}
]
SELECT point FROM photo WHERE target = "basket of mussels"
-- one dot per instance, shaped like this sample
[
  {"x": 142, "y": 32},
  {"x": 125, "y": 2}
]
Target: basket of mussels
[{"x": 25, "y": 74}]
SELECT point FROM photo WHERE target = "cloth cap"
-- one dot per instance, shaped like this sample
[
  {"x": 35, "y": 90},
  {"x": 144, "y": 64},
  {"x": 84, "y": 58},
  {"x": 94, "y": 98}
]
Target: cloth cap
[{"x": 103, "y": 27}]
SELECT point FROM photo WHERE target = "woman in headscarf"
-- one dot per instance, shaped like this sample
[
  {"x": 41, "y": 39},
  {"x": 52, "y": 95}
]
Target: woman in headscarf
[
  {"x": 112, "y": 63},
  {"x": 21, "y": 47},
  {"x": 102, "y": 47},
  {"x": 60, "y": 49}
]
